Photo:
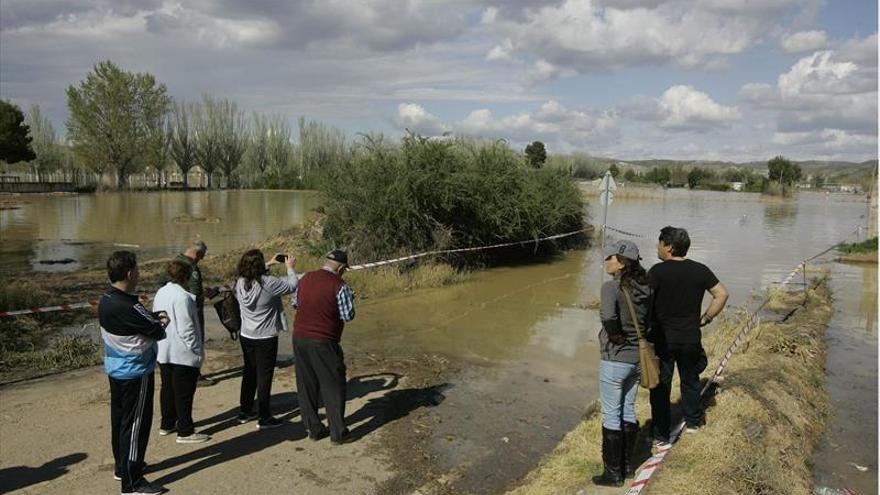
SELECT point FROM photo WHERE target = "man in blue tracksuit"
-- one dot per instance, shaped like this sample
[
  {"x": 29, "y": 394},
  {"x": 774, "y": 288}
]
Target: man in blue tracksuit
[{"x": 129, "y": 333}]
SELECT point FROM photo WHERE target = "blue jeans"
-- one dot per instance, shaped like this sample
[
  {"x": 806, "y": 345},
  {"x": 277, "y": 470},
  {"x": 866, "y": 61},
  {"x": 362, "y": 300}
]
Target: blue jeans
[{"x": 618, "y": 383}]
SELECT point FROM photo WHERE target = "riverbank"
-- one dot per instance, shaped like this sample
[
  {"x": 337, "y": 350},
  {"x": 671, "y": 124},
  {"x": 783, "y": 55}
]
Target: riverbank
[
  {"x": 762, "y": 423},
  {"x": 859, "y": 252},
  {"x": 34, "y": 345}
]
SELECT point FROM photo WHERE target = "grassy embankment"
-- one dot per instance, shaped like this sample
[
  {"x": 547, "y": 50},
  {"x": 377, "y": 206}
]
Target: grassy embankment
[
  {"x": 386, "y": 200},
  {"x": 862, "y": 252},
  {"x": 762, "y": 424}
]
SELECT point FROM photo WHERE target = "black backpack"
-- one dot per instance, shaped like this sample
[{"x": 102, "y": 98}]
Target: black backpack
[{"x": 229, "y": 314}]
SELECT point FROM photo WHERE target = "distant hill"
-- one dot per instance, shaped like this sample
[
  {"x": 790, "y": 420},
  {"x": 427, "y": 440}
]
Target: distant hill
[{"x": 837, "y": 169}]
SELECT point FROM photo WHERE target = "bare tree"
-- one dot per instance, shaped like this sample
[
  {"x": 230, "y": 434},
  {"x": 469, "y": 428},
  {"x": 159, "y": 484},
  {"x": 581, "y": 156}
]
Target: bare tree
[
  {"x": 281, "y": 150},
  {"x": 45, "y": 143},
  {"x": 257, "y": 158},
  {"x": 234, "y": 137},
  {"x": 181, "y": 138},
  {"x": 209, "y": 149}
]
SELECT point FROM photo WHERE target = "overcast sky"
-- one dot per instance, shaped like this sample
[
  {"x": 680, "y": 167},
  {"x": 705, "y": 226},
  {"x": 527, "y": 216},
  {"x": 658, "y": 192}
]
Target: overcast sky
[{"x": 632, "y": 79}]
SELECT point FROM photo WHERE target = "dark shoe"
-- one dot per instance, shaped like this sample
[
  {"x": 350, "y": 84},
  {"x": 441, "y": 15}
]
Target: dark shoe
[
  {"x": 269, "y": 423},
  {"x": 204, "y": 381},
  {"x": 612, "y": 455},
  {"x": 319, "y": 435},
  {"x": 145, "y": 488},
  {"x": 630, "y": 443},
  {"x": 345, "y": 438},
  {"x": 244, "y": 417},
  {"x": 660, "y": 443}
]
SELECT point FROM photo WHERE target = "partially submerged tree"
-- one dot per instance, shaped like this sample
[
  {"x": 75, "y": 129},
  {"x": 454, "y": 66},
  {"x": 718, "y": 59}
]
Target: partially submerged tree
[
  {"x": 15, "y": 143},
  {"x": 321, "y": 147},
  {"x": 208, "y": 136},
  {"x": 181, "y": 139},
  {"x": 234, "y": 137},
  {"x": 783, "y": 171},
  {"x": 536, "y": 154},
  {"x": 45, "y": 144},
  {"x": 113, "y": 118}
]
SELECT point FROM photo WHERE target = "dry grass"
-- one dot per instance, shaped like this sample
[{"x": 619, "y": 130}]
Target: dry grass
[{"x": 761, "y": 427}]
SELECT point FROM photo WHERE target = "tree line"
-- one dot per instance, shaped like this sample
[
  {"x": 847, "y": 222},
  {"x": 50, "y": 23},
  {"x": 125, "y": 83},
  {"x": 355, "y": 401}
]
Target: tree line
[{"x": 122, "y": 123}]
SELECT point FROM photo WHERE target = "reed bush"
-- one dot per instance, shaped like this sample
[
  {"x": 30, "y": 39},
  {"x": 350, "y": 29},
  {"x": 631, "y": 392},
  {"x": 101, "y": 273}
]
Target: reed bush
[
  {"x": 867, "y": 246},
  {"x": 425, "y": 194}
]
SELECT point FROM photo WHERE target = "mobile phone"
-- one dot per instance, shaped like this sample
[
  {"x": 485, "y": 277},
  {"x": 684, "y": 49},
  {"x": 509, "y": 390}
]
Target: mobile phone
[{"x": 281, "y": 258}]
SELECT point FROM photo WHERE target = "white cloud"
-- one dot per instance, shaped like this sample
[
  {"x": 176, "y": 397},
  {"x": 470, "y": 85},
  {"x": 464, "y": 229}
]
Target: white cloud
[
  {"x": 804, "y": 41},
  {"x": 594, "y": 35},
  {"x": 831, "y": 89},
  {"x": 681, "y": 108},
  {"x": 686, "y": 108},
  {"x": 415, "y": 118},
  {"x": 560, "y": 127},
  {"x": 501, "y": 51}
]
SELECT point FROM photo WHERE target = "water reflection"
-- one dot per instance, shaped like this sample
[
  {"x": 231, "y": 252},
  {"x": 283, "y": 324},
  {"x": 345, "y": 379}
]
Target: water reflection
[{"x": 86, "y": 228}]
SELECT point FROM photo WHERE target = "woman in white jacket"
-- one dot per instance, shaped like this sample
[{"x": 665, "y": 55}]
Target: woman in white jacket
[{"x": 180, "y": 355}]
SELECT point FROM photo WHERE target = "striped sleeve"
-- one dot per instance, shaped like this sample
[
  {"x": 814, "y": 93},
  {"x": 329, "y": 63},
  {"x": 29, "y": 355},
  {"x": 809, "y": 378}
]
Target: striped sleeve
[{"x": 345, "y": 303}]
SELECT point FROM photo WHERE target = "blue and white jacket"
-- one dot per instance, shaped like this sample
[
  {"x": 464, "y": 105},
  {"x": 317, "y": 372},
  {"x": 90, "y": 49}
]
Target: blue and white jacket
[{"x": 130, "y": 333}]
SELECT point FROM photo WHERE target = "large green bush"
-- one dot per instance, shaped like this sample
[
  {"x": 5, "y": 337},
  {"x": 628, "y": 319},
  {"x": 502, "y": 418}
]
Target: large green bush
[{"x": 424, "y": 194}]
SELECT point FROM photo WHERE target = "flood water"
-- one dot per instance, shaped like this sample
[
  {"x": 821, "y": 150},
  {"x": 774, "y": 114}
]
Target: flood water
[
  {"x": 78, "y": 231},
  {"x": 847, "y": 456},
  {"x": 535, "y": 351},
  {"x": 531, "y": 349}
]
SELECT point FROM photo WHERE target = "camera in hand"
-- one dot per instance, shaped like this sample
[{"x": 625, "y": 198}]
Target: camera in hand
[{"x": 281, "y": 258}]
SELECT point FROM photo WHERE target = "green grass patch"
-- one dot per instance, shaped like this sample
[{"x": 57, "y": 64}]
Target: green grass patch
[{"x": 867, "y": 246}]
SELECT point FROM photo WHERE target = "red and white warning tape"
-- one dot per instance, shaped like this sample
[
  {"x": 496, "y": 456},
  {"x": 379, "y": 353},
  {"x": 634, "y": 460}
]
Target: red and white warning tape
[
  {"x": 225, "y": 288},
  {"x": 48, "y": 309},
  {"x": 464, "y": 250}
]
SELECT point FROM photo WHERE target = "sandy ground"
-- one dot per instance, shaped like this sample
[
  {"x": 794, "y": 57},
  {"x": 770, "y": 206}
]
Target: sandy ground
[{"x": 54, "y": 433}]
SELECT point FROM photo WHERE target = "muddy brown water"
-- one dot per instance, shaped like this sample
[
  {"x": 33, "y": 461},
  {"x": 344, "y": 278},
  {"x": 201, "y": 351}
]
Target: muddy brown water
[
  {"x": 68, "y": 232},
  {"x": 525, "y": 349},
  {"x": 847, "y": 455}
]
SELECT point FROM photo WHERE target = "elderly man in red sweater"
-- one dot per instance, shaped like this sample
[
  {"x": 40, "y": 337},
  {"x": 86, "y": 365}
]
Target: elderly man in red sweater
[{"x": 324, "y": 303}]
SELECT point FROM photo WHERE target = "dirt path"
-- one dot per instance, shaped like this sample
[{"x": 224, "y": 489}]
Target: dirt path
[{"x": 54, "y": 432}]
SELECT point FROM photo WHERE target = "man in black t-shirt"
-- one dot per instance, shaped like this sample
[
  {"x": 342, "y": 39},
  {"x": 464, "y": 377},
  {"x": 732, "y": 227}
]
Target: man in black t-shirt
[{"x": 679, "y": 285}]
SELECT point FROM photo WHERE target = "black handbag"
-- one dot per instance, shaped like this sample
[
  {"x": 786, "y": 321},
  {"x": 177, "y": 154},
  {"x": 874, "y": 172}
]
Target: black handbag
[{"x": 229, "y": 314}]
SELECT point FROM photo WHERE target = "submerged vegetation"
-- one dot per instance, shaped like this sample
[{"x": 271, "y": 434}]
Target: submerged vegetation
[
  {"x": 761, "y": 424},
  {"x": 866, "y": 246},
  {"x": 427, "y": 194}
]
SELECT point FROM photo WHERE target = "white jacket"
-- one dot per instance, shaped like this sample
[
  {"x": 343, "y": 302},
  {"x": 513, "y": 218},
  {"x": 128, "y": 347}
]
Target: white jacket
[{"x": 183, "y": 344}]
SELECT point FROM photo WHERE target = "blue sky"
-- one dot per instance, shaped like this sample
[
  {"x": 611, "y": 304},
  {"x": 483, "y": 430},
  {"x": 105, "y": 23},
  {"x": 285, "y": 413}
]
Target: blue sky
[{"x": 633, "y": 79}]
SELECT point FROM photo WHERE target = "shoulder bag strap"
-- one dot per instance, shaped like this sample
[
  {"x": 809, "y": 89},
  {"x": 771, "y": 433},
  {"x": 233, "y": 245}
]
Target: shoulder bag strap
[{"x": 632, "y": 311}]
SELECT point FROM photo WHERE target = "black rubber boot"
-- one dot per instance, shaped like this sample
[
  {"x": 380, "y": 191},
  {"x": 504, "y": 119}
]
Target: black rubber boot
[
  {"x": 612, "y": 455},
  {"x": 630, "y": 441}
]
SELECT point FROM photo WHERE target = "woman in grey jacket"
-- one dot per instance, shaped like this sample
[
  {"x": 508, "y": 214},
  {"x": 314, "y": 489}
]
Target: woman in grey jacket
[
  {"x": 262, "y": 317},
  {"x": 619, "y": 367},
  {"x": 180, "y": 354}
]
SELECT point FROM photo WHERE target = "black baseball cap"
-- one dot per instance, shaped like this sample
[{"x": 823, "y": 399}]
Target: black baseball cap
[{"x": 338, "y": 256}]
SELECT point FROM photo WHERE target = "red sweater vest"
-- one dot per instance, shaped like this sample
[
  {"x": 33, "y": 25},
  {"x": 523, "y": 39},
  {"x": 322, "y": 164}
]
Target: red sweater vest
[{"x": 317, "y": 315}]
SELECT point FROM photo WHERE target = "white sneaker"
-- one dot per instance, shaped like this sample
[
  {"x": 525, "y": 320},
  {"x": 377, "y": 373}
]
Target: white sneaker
[
  {"x": 165, "y": 432},
  {"x": 194, "y": 438}
]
